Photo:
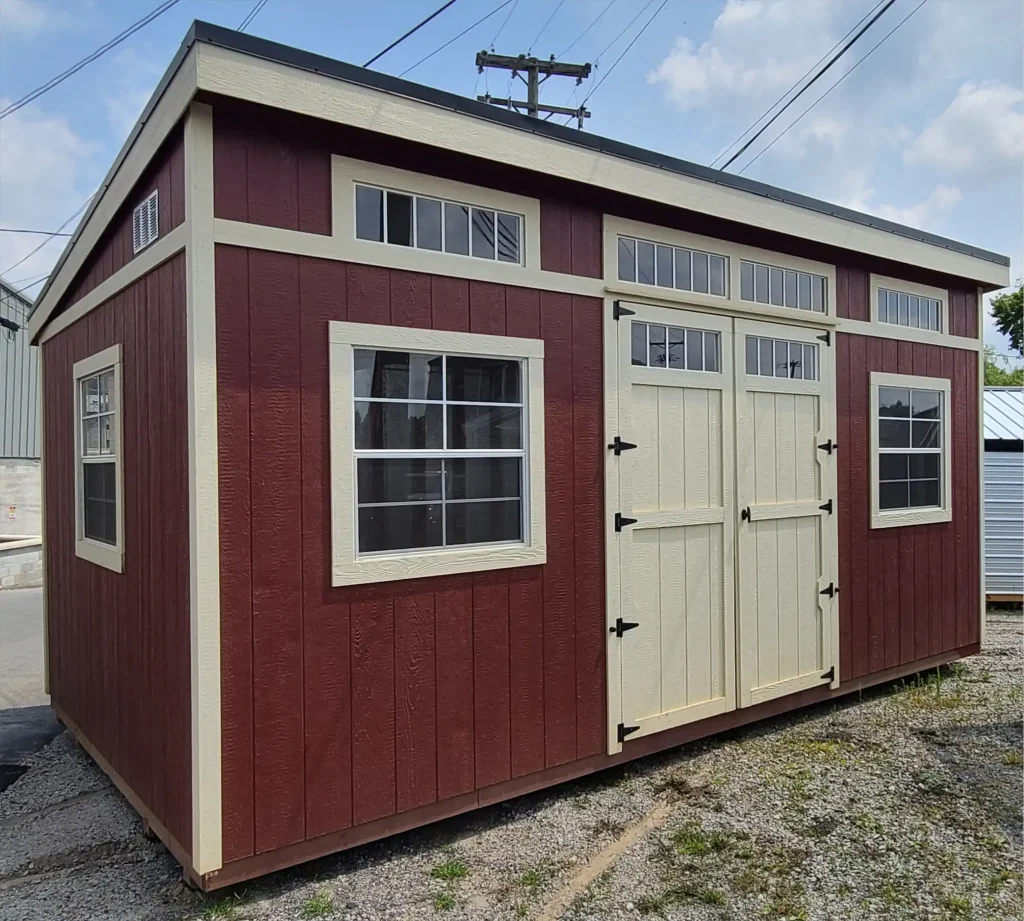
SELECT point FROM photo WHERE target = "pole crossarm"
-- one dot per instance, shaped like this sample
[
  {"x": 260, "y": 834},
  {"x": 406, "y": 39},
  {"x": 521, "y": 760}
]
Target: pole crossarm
[{"x": 537, "y": 70}]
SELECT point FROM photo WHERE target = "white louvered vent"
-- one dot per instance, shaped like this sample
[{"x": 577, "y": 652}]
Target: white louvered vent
[{"x": 145, "y": 223}]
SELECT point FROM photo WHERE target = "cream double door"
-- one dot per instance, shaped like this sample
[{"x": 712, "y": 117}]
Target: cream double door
[{"x": 723, "y": 545}]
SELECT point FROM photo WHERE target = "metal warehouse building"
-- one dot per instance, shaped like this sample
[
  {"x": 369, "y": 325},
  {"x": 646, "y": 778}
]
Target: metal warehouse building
[{"x": 1004, "y": 493}]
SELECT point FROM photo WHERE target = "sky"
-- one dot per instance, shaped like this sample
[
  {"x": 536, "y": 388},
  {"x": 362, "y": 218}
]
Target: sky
[{"x": 928, "y": 131}]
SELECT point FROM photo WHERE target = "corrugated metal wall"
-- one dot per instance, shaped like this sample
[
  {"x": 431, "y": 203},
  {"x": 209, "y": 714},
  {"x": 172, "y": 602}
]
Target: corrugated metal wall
[
  {"x": 1004, "y": 523},
  {"x": 19, "y": 382}
]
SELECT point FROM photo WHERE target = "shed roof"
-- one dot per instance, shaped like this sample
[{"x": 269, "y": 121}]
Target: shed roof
[{"x": 1004, "y": 413}]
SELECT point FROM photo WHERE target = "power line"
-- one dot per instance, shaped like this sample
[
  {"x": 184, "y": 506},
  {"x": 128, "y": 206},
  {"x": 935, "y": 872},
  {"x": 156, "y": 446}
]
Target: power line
[
  {"x": 415, "y": 28},
  {"x": 810, "y": 83},
  {"x": 48, "y": 239},
  {"x": 595, "y": 21},
  {"x": 753, "y": 124},
  {"x": 625, "y": 29},
  {"x": 832, "y": 87},
  {"x": 501, "y": 28},
  {"x": 47, "y": 233},
  {"x": 636, "y": 38},
  {"x": 253, "y": 13},
  {"x": 543, "y": 27},
  {"x": 497, "y": 9},
  {"x": 88, "y": 59}
]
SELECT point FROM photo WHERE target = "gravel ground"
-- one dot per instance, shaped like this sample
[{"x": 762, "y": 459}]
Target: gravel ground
[{"x": 903, "y": 802}]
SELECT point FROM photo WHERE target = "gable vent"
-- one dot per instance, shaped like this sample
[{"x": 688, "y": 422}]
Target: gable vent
[{"x": 145, "y": 223}]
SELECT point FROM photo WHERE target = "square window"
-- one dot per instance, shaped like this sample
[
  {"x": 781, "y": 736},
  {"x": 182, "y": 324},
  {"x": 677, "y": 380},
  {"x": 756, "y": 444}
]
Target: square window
[{"x": 442, "y": 463}]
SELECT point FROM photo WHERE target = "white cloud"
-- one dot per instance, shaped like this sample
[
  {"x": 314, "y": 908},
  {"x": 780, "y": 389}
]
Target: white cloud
[
  {"x": 755, "y": 49},
  {"x": 137, "y": 75},
  {"x": 980, "y": 133},
  {"x": 46, "y": 170},
  {"x": 927, "y": 214},
  {"x": 30, "y": 16}
]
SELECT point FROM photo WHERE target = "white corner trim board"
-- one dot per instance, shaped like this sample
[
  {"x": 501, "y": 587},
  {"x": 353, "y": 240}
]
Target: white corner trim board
[
  {"x": 349, "y": 567},
  {"x": 109, "y": 556},
  {"x": 241, "y": 76},
  {"x": 118, "y": 184},
  {"x": 204, "y": 494},
  {"x": 149, "y": 259},
  {"x": 895, "y": 518}
]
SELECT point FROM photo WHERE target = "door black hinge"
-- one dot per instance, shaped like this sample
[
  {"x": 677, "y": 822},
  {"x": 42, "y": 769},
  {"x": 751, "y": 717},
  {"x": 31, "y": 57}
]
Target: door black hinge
[
  {"x": 831, "y": 591},
  {"x": 830, "y": 675},
  {"x": 829, "y": 446},
  {"x": 826, "y": 337},
  {"x": 621, "y": 626},
  {"x": 619, "y": 311},
  {"x": 745, "y": 514},
  {"x": 827, "y": 507},
  {"x": 626, "y": 730},
  {"x": 618, "y": 446},
  {"x": 621, "y": 521}
]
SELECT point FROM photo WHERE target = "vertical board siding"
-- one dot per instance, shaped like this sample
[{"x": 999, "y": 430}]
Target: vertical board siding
[
  {"x": 19, "y": 391},
  {"x": 909, "y": 592},
  {"x": 119, "y": 643},
  {"x": 166, "y": 174},
  {"x": 570, "y": 238},
  {"x": 366, "y": 701}
]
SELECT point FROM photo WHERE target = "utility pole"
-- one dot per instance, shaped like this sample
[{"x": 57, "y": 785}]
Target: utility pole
[{"x": 537, "y": 71}]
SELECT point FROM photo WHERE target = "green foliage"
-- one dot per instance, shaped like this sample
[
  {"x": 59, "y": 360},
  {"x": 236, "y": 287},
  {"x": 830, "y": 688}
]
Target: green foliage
[
  {"x": 450, "y": 870},
  {"x": 319, "y": 905},
  {"x": 998, "y": 376},
  {"x": 444, "y": 902},
  {"x": 1008, "y": 313}
]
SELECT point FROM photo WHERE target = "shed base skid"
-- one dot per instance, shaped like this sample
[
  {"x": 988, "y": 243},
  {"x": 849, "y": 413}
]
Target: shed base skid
[
  {"x": 1004, "y": 598},
  {"x": 251, "y": 867}
]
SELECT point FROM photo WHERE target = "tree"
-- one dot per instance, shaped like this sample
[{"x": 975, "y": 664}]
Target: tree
[
  {"x": 1008, "y": 313},
  {"x": 998, "y": 376}
]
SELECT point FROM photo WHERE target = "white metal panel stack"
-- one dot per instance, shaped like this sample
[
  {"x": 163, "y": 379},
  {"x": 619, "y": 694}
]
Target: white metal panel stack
[{"x": 1004, "y": 491}]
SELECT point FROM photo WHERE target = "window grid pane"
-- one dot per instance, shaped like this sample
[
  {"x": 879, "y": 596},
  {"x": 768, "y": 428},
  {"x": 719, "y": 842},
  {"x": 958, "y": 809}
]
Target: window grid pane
[
  {"x": 404, "y": 219},
  {"x": 911, "y": 445},
  {"x": 649, "y": 263},
  {"x": 448, "y": 470},
  {"x": 770, "y": 284},
  {"x": 903, "y": 309},
  {"x": 781, "y": 358},
  {"x": 674, "y": 348}
]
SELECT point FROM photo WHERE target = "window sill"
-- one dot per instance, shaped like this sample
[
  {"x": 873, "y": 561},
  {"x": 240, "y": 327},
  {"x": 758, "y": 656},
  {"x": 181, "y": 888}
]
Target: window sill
[
  {"x": 436, "y": 563},
  {"x": 910, "y": 517},
  {"x": 99, "y": 554}
]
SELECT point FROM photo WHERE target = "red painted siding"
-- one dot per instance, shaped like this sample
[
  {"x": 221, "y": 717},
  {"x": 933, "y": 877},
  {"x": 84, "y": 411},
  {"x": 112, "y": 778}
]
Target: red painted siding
[
  {"x": 119, "y": 642},
  {"x": 344, "y": 706},
  {"x": 913, "y": 592},
  {"x": 165, "y": 174}
]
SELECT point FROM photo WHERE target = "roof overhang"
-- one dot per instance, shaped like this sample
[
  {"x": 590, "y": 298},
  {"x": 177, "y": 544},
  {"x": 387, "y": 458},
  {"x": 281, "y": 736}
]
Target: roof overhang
[{"x": 243, "y": 67}]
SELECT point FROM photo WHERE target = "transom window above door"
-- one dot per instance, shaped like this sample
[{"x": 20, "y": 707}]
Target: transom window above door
[
  {"x": 422, "y": 222},
  {"x": 910, "y": 450},
  {"x": 781, "y": 287},
  {"x": 674, "y": 347},
  {"x": 436, "y": 451},
  {"x": 677, "y": 267}
]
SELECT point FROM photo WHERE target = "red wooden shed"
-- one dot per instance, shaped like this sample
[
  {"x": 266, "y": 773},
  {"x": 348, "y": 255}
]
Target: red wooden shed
[{"x": 404, "y": 454}]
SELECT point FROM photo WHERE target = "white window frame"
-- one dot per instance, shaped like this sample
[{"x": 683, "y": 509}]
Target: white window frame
[
  {"x": 149, "y": 206},
  {"x": 939, "y": 335},
  {"x": 348, "y": 567},
  {"x": 735, "y": 253},
  {"x": 672, "y": 287},
  {"x": 109, "y": 556},
  {"x": 894, "y": 518},
  {"x": 348, "y": 173}
]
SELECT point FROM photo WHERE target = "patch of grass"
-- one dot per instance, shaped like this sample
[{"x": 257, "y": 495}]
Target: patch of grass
[
  {"x": 825, "y": 749},
  {"x": 788, "y": 901},
  {"x": 677, "y": 785},
  {"x": 867, "y": 822},
  {"x": 653, "y": 904},
  {"x": 748, "y": 881},
  {"x": 1013, "y": 758},
  {"x": 693, "y": 841},
  {"x": 444, "y": 901},
  {"x": 995, "y": 844},
  {"x": 534, "y": 876},
  {"x": 450, "y": 871},
  {"x": 678, "y": 895},
  {"x": 931, "y": 782},
  {"x": 995, "y": 881},
  {"x": 521, "y": 910},
  {"x": 318, "y": 905},
  {"x": 957, "y": 905},
  {"x": 227, "y": 908}
]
